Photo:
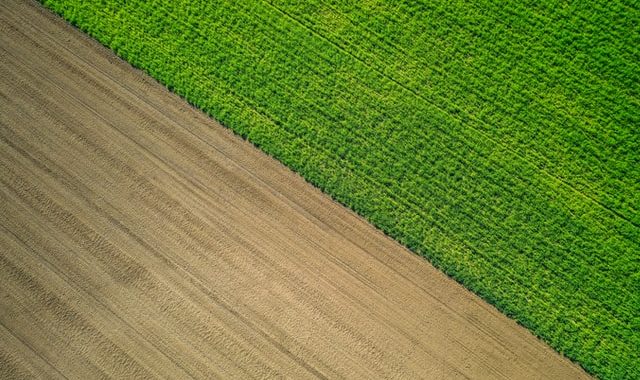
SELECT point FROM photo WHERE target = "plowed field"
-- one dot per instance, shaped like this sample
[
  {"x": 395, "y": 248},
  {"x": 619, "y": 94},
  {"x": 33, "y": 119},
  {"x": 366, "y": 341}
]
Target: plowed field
[{"x": 139, "y": 238}]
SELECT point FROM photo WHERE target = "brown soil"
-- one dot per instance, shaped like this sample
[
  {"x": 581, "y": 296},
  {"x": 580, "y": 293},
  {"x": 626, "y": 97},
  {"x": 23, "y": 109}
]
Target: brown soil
[{"x": 138, "y": 238}]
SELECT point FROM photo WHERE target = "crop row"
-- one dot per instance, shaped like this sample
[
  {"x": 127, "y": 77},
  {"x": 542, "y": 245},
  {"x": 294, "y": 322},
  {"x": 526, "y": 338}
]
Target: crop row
[{"x": 553, "y": 84}]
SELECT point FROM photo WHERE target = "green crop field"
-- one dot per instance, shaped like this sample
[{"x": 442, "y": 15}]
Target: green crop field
[{"x": 498, "y": 139}]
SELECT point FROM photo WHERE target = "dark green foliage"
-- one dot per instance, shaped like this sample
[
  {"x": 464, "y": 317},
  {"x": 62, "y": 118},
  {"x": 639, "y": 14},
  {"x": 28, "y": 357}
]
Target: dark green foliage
[{"x": 500, "y": 140}]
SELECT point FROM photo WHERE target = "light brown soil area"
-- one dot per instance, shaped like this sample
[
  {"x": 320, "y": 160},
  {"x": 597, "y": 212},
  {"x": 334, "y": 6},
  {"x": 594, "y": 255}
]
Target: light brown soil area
[{"x": 140, "y": 239}]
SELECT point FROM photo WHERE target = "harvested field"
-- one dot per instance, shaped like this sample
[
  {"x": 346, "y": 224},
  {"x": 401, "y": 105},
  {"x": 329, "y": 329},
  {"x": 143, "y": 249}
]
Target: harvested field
[{"x": 138, "y": 238}]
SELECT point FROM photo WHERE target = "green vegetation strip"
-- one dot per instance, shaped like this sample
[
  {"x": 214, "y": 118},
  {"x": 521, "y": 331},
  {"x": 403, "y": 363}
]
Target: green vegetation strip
[{"x": 498, "y": 139}]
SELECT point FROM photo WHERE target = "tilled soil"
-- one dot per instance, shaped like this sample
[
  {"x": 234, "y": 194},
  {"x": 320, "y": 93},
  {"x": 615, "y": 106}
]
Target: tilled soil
[{"x": 139, "y": 238}]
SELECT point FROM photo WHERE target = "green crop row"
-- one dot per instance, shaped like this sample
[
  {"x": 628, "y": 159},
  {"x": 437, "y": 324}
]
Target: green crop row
[{"x": 498, "y": 140}]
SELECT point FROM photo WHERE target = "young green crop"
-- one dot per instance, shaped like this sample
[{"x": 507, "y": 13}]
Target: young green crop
[{"x": 499, "y": 140}]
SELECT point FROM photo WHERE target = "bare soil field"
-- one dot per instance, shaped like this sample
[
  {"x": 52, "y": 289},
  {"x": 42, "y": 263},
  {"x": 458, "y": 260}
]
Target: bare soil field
[{"x": 140, "y": 239}]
